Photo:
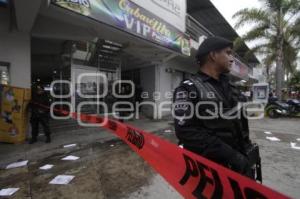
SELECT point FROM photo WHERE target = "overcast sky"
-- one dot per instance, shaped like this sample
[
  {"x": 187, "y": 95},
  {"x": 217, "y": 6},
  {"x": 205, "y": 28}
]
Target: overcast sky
[{"x": 229, "y": 7}]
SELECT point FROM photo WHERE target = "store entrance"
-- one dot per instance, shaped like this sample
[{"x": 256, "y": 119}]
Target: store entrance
[
  {"x": 66, "y": 60},
  {"x": 92, "y": 82},
  {"x": 93, "y": 89}
]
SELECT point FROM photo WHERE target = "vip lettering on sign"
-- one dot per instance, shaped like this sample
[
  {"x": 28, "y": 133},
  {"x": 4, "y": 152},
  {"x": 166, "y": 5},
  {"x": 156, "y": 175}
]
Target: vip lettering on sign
[
  {"x": 173, "y": 10},
  {"x": 129, "y": 16}
]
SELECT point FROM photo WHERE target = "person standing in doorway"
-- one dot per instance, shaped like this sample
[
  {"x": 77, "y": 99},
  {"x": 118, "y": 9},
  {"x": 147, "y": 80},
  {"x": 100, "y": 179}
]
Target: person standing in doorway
[{"x": 39, "y": 114}]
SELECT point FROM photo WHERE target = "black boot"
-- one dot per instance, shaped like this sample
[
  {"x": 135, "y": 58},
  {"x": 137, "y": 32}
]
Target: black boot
[
  {"x": 32, "y": 141},
  {"x": 48, "y": 139}
]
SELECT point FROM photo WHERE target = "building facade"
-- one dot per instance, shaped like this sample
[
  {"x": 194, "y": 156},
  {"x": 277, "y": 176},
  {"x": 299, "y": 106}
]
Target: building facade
[{"x": 152, "y": 43}]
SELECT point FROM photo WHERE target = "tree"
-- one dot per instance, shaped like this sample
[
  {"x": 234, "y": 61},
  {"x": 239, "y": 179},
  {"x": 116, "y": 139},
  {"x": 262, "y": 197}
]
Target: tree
[
  {"x": 295, "y": 80},
  {"x": 277, "y": 28}
]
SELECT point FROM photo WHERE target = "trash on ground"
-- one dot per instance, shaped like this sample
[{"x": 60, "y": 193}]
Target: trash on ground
[
  {"x": 62, "y": 179},
  {"x": 8, "y": 191},
  {"x": 17, "y": 164},
  {"x": 293, "y": 145},
  {"x": 70, "y": 145},
  {"x": 71, "y": 157},
  {"x": 46, "y": 167},
  {"x": 274, "y": 139}
]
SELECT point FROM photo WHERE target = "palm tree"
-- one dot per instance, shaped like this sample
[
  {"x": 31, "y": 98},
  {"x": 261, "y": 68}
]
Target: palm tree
[
  {"x": 295, "y": 80},
  {"x": 277, "y": 28}
]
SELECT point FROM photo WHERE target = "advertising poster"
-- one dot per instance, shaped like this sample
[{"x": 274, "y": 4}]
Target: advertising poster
[
  {"x": 13, "y": 118},
  {"x": 173, "y": 10},
  {"x": 128, "y": 16}
]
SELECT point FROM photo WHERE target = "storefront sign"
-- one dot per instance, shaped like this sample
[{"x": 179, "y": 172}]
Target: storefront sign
[
  {"x": 130, "y": 17},
  {"x": 173, "y": 10},
  {"x": 3, "y": 3}
]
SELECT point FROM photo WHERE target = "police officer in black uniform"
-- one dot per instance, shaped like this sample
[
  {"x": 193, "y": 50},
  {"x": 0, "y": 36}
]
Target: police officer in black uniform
[
  {"x": 39, "y": 114},
  {"x": 198, "y": 102}
]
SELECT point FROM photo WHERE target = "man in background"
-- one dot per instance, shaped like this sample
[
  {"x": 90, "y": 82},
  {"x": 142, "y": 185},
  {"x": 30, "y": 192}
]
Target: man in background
[{"x": 39, "y": 113}]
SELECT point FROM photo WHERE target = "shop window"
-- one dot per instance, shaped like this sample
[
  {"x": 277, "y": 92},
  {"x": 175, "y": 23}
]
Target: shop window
[{"x": 4, "y": 73}]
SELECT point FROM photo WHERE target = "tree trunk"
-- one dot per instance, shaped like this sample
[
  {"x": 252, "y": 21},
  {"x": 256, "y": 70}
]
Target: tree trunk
[
  {"x": 268, "y": 74},
  {"x": 279, "y": 59},
  {"x": 287, "y": 83},
  {"x": 279, "y": 77}
]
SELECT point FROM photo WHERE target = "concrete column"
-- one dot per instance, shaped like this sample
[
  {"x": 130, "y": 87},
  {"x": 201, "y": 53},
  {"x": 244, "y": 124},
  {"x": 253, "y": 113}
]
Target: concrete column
[{"x": 15, "y": 49}]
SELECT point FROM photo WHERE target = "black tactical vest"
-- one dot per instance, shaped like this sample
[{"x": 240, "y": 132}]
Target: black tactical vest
[{"x": 231, "y": 129}]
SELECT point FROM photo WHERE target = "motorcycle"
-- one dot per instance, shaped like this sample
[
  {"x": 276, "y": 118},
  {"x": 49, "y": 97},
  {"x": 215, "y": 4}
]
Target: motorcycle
[
  {"x": 275, "y": 108},
  {"x": 294, "y": 106}
]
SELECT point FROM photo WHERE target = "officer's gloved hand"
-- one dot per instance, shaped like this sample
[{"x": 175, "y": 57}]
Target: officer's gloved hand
[{"x": 240, "y": 164}]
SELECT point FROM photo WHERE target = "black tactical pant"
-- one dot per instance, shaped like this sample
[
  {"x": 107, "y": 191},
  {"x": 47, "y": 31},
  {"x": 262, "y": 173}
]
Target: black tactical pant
[
  {"x": 225, "y": 155},
  {"x": 44, "y": 121}
]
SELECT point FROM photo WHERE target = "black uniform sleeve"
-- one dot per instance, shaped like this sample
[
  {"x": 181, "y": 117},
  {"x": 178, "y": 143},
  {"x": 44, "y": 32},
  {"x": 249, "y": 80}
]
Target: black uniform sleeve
[
  {"x": 188, "y": 128},
  {"x": 243, "y": 125}
]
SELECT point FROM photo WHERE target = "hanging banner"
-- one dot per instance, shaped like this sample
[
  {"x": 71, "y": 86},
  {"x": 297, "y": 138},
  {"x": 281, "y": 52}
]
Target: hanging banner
[
  {"x": 3, "y": 3},
  {"x": 129, "y": 17},
  {"x": 173, "y": 10}
]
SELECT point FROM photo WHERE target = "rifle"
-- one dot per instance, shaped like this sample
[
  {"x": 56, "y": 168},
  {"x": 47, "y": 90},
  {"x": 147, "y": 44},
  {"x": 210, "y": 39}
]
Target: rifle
[
  {"x": 253, "y": 156},
  {"x": 251, "y": 149}
]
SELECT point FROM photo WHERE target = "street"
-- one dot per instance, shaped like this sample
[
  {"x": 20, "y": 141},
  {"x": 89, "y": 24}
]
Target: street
[{"x": 110, "y": 169}]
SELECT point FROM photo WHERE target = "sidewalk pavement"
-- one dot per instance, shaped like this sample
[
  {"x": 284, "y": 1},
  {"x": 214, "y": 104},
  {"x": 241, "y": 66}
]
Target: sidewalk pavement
[
  {"x": 80, "y": 136},
  {"x": 108, "y": 168}
]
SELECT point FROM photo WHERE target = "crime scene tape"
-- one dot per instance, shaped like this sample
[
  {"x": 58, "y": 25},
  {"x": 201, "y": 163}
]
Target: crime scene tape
[{"x": 190, "y": 174}]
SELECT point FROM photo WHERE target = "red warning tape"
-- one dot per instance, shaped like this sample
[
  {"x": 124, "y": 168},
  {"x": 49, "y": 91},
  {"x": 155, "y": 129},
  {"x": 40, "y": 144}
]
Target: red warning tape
[{"x": 191, "y": 175}]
